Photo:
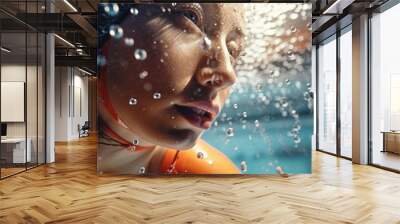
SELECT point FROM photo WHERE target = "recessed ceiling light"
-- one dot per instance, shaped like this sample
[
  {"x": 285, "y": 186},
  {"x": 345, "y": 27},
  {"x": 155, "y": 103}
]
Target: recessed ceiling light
[{"x": 5, "y": 49}]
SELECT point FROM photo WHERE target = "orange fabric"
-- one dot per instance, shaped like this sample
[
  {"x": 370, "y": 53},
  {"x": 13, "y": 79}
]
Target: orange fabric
[{"x": 187, "y": 161}]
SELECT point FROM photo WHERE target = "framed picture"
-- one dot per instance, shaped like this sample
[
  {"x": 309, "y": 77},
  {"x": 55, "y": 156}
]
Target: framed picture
[{"x": 204, "y": 88}]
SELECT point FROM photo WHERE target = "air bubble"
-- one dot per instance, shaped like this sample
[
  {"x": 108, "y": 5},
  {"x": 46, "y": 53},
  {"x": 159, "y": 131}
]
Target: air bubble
[
  {"x": 293, "y": 29},
  {"x": 244, "y": 114},
  {"x": 116, "y": 31},
  {"x": 134, "y": 11},
  {"x": 157, "y": 96},
  {"x": 140, "y": 54},
  {"x": 296, "y": 139},
  {"x": 230, "y": 132},
  {"x": 132, "y": 101},
  {"x": 259, "y": 87},
  {"x": 256, "y": 123},
  {"x": 111, "y": 9},
  {"x": 243, "y": 166},
  {"x": 143, "y": 75},
  {"x": 200, "y": 155},
  {"x": 235, "y": 106},
  {"x": 129, "y": 41},
  {"x": 291, "y": 55},
  {"x": 101, "y": 60},
  {"x": 142, "y": 170},
  {"x": 135, "y": 141}
]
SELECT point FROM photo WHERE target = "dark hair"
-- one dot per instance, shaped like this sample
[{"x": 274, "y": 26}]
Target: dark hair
[{"x": 105, "y": 20}]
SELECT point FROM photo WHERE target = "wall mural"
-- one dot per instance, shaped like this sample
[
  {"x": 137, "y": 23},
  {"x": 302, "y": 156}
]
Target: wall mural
[{"x": 217, "y": 88}]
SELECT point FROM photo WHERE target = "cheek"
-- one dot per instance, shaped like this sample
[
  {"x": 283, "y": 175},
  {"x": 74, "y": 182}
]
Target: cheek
[{"x": 223, "y": 95}]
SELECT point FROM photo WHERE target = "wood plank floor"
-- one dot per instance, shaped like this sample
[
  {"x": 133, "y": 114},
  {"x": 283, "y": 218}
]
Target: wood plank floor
[{"x": 69, "y": 191}]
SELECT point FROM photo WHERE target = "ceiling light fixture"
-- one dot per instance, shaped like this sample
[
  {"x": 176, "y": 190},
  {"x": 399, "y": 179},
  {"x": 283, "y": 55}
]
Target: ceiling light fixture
[
  {"x": 337, "y": 7},
  {"x": 65, "y": 41},
  {"x": 5, "y": 49},
  {"x": 84, "y": 71},
  {"x": 70, "y": 5}
]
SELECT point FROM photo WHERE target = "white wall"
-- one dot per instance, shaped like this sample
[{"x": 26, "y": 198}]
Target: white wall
[{"x": 71, "y": 93}]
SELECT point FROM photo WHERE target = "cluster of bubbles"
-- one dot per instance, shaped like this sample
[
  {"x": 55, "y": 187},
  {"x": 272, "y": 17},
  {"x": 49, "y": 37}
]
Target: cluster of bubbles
[{"x": 274, "y": 75}]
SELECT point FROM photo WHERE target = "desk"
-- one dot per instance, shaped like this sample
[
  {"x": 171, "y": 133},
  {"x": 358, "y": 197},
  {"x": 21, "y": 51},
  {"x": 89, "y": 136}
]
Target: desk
[
  {"x": 391, "y": 141},
  {"x": 13, "y": 150}
]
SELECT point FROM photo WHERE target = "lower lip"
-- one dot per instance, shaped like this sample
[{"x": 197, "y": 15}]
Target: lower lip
[{"x": 196, "y": 120}]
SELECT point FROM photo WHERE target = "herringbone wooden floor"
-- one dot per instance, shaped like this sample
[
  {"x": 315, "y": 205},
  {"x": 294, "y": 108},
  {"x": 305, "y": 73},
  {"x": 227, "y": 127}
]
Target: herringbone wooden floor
[{"x": 69, "y": 191}]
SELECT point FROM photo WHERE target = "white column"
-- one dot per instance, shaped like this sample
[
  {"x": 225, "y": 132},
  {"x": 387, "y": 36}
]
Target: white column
[
  {"x": 50, "y": 93},
  {"x": 360, "y": 90}
]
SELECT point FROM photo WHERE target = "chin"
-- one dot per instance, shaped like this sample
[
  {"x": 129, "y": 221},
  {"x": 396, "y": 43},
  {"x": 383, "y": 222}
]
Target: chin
[{"x": 181, "y": 139}]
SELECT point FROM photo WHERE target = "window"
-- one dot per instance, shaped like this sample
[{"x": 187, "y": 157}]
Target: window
[
  {"x": 385, "y": 89},
  {"x": 327, "y": 96}
]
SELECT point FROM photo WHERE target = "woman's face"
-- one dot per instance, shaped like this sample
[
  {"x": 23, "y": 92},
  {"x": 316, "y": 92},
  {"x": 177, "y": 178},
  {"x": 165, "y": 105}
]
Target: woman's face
[{"x": 179, "y": 88}]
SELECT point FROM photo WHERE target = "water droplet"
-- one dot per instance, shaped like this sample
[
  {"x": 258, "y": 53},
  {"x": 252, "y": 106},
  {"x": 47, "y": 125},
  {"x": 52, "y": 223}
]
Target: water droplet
[
  {"x": 296, "y": 139},
  {"x": 142, "y": 170},
  {"x": 157, "y": 96},
  {"x": 230, "y": 132},
  {"x": 244, "y": 114},
  {"x": 293, "y": 29},
  {"x": 291, "y": 55},
  {"x": 163, "y": 9},
  {"x": 235, "y": 106},
  {"x": 133, "y": 101},
  {"x": 140, "y": 54},
  {"x": 172, "y": 117},
  {"x": 134, "y": 11},
  {"x": 143, "y": 75},
  {"x": 243, "y": 166},
  {"x": 309, "y": 26},
  {"x": 116, "y": 31},
  {"x": 257, "y": 123},
  {"x": 235, "y": 148},
  {"x": 129, "y": 41},
  {"x": 162, "y": 60},
  {"x": 200, "y": 155},
  {"x": 111, "y": 9},
  {"x": 101, "y": 60},
  {"x": 135, "y": 141},
  {"x": 173, "y": 4},
  {"x": 287, "y": 81},
  {"x": 259, "y": 87},
  {"x": 206, "y": 45}
]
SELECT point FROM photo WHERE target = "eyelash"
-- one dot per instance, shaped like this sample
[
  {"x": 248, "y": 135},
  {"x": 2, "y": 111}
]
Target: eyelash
[{"x": 189, "y": 11}]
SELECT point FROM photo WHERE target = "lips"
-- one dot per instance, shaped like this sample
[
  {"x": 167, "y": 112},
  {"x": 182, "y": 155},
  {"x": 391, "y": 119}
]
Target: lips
[{"x": 200, "y": 114}]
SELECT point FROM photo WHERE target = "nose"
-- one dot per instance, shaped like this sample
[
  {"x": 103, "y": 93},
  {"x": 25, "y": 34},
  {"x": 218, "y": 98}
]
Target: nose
[{"x": 217, "y": 71}]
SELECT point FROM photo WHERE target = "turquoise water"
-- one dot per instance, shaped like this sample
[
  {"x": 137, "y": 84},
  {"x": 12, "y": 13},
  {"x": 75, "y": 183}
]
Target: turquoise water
[{"x": 267, "y": 146}]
